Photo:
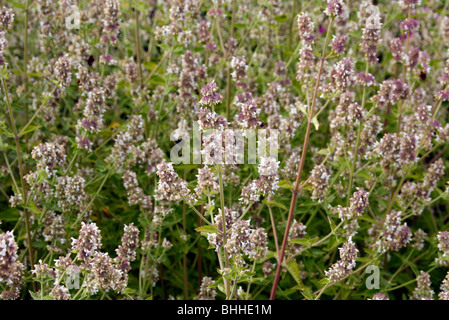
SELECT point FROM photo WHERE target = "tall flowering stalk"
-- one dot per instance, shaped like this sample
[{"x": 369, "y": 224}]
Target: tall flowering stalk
[{"x": 332, "y": 10}]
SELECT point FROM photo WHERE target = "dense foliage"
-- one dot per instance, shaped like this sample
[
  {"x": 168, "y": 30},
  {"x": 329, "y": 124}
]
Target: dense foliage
[{"x": 102, "y": 199}]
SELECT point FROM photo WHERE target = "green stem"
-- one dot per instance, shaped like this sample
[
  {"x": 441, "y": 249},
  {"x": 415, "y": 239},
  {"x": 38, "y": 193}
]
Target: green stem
[
  {"x": 22, "y": 180},
  {"x": 223, "y": 217}
]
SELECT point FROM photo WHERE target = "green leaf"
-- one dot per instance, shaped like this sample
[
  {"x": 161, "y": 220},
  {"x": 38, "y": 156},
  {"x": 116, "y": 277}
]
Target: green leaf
[
  {"x": 164, "y": 46},
  {"x": 303, "y": 110},
  {"x": 39, "y": 244},
  {"x": 4, "y": 131},
  {"x": 293, "y": 268},
  {"x": 16, "y": 4},
  {"x": 305, "y": 241},
  {"x": 29, "y": 129},
  {"x": 239, "y": 25},
  {"x": 34, "y": 295},
  {"x": 9, "y": 214},
  {"x": 302, "y": 241},
  {"x": 274, "y": 203},
  {"x": 206, "y": 229},
  {"x": 315, "y": 122},
  {"x": 324, "y": 152},
  {"x": 130, "y": 291},
  {"x": 33, "y": 208},
  {"x": 286, "y": 184},
  {"x": 308, "y": 295},
  {"x": 157, "y": 79},
  {"x": 281, "y": 18}
]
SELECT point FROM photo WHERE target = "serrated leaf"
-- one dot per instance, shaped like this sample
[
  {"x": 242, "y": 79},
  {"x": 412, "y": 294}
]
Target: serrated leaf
[
  {"x": 34, "y": 295},
  {"x": 293, "y": 268},
  {"x": 33, "y": 208},
  {"x": 308, "y": 295}
]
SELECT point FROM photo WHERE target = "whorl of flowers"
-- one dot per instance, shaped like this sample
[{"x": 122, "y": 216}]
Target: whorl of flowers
[
  {"x": 111, "y": 20},
  {"x": 88, "y": 242},
  {"x": 54, "y": 229},
  {"x": 371, "y": 36},
  {"x": 210, "y": 95},
  {"x": 126, "y": 251},
  {"x": 248, "y": 117},
  {"x": 207, "y": 293},
  {"x": 135, "y": 193},
  {"x": 343, "y": 267},
  {"x": 239, "y": 67},
  {"x": 409, "y": 25},
  {"x": 42, "y": 271},
  {"x": 443, "y": 242},
  {"x": 216, "y": 239},
  {"x": 213, "y": 148},
  {"x": 423, "y": 290},
  {"x": 334, "y": 8},
  {"x": 306, "y": 60},
  {"x": 48, "y": 156},
  {"x": 59, "y": 292},
  {"x": 250, "y": 193},
  {"x": 397, "y": 49},
  {"x": 207, "y": 182},
  {"x": 443, "y": 246},
  {"x": 409, "y": 4},
  {"x": 342, "y": 75},
  {"x": 246, "y": 241},
  {"x": 268, "y": 173},
  {"x": 170, "y": 186},
  {"x": 6, "y": 21},
  {"x": 62, "y": 71},
  {"x": 390, "y": 92},
  {"x": 379, "y": 296},
  {"x": 338, "y": 44},
  {"x": 131, "y": 70},
  {"x": 444, "y": 294},
  {"x": 70, "y": 192},
  {"x": 208, "y": 119},
  {"x": 319, "y": 178},
  {"x": 349, "y": 215},
  {"x": 306, "y": 27},
  {"x": 125, "y": 142},
  {"x": 93, "y": 111},
  {"x": 419, "y": 238},
  {"x": 10, "y": 266},
  {"x": 394, "y": 235},
  {"x": 6, "y": 18},
  {"x": 397, "y": 150},
  {"x": 104, "y": 275}
]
